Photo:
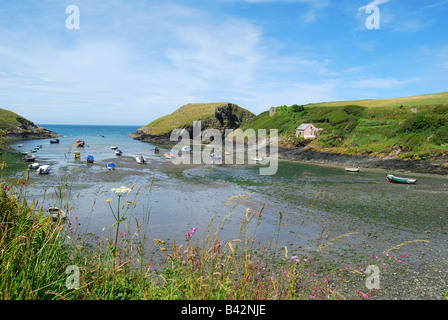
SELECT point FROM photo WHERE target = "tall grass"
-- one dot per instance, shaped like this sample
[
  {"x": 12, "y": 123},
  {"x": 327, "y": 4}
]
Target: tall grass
[{"x": 37, "y": 255}]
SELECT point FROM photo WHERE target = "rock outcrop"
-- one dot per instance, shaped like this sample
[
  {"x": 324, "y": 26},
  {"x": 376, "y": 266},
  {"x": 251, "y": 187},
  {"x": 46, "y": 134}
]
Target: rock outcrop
[
  {"x": 17, "y": 127},
  {"x": 220, "y": 116}
]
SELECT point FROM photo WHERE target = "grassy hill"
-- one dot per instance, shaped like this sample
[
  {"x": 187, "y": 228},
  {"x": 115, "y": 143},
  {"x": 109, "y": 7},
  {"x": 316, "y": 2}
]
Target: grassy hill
[
  {"x": 217, "y": 115},
  {"x": 405, "y": 128},
  {"x": 16, "y": 126}
]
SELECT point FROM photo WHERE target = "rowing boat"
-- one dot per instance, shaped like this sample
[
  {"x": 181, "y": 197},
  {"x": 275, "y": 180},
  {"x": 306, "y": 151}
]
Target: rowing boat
[{"x": 395, "y": 179}]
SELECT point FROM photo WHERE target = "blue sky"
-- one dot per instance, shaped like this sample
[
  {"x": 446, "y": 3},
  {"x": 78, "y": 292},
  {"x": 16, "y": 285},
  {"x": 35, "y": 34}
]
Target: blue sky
[{"x": 131, "y": 62}]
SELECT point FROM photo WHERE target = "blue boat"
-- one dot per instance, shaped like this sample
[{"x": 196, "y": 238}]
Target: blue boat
[
  {"x": 111, "y": 166},
  {"x": 118, "y": 152},
  {"x": 90, "y": 159}
]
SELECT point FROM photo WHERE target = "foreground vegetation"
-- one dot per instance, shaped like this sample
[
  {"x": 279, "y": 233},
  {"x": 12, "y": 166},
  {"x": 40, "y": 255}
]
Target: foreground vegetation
[{"x": 408, "y": 128}]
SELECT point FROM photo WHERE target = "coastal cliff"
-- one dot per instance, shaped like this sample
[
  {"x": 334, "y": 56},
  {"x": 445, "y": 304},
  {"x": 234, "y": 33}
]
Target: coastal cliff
[
  {"x": 218, "y": 115},
  {"x": 17, "y": 127}
]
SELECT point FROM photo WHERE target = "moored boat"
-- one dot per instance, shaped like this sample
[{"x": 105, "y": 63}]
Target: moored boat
[
  {"x": 56, "y": 213},
  {"x": 80, "y": 143},
  {"x": 395, "y": 179},
  {"x": 43, "y": 169},
  {"x": 34, "y": 165},
  {"x": 29, "y": 158},
  {"x": 114, "y": 147},
  {"x": 54, "y": 141},
  {"x": 352, "y": 169},
  {"x": 111, "y": 166},
  {"x": 118, "y": 152},
  {"x": 90, "y": 159},
  {"x": 140, "y": 159}
]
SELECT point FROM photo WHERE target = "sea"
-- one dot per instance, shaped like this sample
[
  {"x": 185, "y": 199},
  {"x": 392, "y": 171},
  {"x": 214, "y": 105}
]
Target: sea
[{"x": 293, "y": 208}]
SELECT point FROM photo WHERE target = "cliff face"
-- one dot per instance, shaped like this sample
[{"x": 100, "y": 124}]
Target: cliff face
[
  {"x": 18, "y": 127},
  {"x": 218, "y": 116}
]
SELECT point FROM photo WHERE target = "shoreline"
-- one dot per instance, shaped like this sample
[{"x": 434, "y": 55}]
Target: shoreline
[{"x": 307, "y": 155}]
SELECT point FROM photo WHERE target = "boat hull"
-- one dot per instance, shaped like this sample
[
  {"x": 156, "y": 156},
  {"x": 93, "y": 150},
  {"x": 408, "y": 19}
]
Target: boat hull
[{"x": 395, "y": 179}]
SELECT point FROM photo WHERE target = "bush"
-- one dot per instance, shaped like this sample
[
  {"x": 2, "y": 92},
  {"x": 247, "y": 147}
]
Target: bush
[{"x": 354, "y": 110}]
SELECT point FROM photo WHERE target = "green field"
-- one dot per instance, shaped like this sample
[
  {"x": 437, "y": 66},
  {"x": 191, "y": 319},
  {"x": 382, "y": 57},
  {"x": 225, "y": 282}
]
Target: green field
[{"x": 408, "y": 128}]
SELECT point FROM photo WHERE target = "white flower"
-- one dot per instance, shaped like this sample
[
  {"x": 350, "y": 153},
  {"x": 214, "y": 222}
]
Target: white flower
[{"x": 122, "y": 190}]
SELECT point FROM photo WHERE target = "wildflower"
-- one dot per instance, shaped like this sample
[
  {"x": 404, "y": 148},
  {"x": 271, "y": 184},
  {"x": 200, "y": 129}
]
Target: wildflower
[
  {"x": 398, "y": 260},
  {"x": 108, "y": 200},
  {"x": 122, "y": 190}
]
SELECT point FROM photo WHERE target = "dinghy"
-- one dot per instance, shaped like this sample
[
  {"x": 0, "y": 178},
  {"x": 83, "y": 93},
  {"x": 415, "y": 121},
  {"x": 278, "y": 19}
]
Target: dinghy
[
  {"x": 186, "y": 149},
  {"x": 395, "y": 179},
  {"x": 54, "y": 141},
  {"x": 19, "y": 145},
  {"x": 118, "y": 152},
  {"x": 56, "y": 213},
  {"x": 114, "y": 147},
  {"x": 140, "y": 159},
  {"x": 80, "y": 143},
  {"x": 352, "y": 169},
  {"x": 169, "y": 155},
  {"x": 90, "y": 159},
  {"x": 34, "y": 165},
  {"x": 43, "y": 170},
  {"x": 111, "y": 166},
  {"x": 29, "y": 158}
]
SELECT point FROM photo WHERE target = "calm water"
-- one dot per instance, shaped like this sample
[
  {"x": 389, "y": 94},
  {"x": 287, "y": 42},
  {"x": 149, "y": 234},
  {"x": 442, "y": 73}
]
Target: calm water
[{"x": 383, "y": 214}]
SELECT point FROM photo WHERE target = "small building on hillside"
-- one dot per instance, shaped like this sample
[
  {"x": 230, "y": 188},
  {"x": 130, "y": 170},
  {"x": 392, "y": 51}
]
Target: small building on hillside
[{"x": 307, "y": 131}]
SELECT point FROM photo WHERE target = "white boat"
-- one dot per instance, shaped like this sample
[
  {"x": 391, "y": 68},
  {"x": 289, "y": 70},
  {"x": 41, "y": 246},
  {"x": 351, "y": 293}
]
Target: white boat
[
  {"x": 111, "y": 166},
  {"x": 352, "y": 169},
  {"x": 257, "y": 159},
  {"x": 114, "y": 147},
  {"x": 118, "y": 152},
  {"x": 214, "y": 156},
  {"x": 140, "y": 159},
  {"x": 56, "y": 213},
  {"x": 186, "y": 149},
  {"x": 34, "y": 165},
  {"x": 43, "y": 169},
  {"x": 19, "y": 145}
]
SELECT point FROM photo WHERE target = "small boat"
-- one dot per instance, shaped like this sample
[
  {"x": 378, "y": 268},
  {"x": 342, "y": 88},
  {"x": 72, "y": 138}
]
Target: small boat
[
  {"x": 186, "y": 149},
  {"x": 33, "y": 150},
  {"x": 140, "y": 159},
  {"x": 156, "y": 150},
  {"x": 36, "y": 148},
  {"x": 54, "y": 141},
  {"x": 170, "y": 154},
  {"x": 23, "y": 153},
  {"x": 111, "y": 166},
  {"x": 29, "y": 158},
  {"x": 352, "y": 169},
  {"x": 77, "y": 155},
  {"x": 40, "y": 146},
  {"x": 395, "y": 179},
  {"x": 56, "y": 213},
  {"x": 80, "y": 143},
  {"x": 114, "y": 147},
  {"x": 214, "y": 156},
  {"x": 257, "y": 159},
  {"x": 19, "y": 145},
  {"x": 90, "y": 159},
  {"x": 43, "y": 169},
  {"x": 34, "y": 165},
  {"x": 118, "y": 152}
]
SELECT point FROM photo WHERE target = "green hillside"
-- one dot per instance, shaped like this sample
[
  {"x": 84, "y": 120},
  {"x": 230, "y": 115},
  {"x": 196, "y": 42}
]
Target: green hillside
[
  {"x": 405, "y": 128},
  {"x": 212, "y": 115}
]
